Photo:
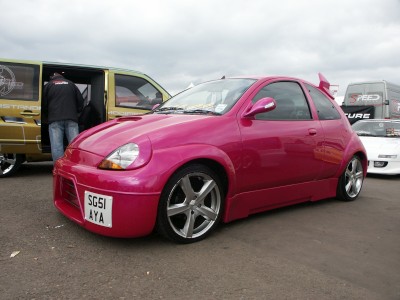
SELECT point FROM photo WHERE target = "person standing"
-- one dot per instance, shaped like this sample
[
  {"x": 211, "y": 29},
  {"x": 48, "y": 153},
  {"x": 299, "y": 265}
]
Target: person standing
[{"x": 62, "y": 103}]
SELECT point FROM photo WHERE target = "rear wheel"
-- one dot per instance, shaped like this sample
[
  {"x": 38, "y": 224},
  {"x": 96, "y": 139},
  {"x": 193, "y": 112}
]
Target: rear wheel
[
  {"x": 10, "y": 163},
  {"x": 190, "y": 205},
  {"x": 350, "y": 183}
]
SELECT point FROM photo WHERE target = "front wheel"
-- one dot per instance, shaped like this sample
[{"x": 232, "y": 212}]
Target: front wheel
[
  {"x": 190, "y": 205},
  {"x": 350, "y": 183},
  {"x": 10, "y": 163}
]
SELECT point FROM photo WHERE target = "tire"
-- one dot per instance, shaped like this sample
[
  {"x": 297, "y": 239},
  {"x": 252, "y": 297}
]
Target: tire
[
  {"x": 350, "y": 182},
  {"x": 10, "y": 163},
  {"x": 190, "y": 205}
]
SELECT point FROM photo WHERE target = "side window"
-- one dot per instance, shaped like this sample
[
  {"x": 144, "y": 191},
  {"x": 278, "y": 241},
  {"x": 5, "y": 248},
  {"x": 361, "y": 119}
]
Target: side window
[
  {"x": 135, "y": 92},
  {"x": 291, "y": 104},
  {"x": 19, "y": 81},
  {"x": 326, "y": 110}
]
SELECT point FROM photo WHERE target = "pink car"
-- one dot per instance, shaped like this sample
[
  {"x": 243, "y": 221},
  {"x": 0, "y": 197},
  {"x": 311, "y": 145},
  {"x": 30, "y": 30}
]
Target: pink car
[{"x": 219, "y": 151}]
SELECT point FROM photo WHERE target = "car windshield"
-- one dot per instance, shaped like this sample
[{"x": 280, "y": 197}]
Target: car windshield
[
  {"x": 379, "y": 129},
  {"x": 213, "y": 97}
]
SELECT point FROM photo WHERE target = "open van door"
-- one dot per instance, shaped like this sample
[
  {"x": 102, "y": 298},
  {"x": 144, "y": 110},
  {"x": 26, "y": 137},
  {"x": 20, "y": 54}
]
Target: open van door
[
  {"x": 132, "y": 94},
  {"x": 91, "y": 83}
]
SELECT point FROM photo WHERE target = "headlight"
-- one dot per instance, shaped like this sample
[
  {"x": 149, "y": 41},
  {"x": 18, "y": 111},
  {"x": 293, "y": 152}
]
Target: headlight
[
  {"x": 387, "y": 156},
  {"x": 121, "y": 158}
]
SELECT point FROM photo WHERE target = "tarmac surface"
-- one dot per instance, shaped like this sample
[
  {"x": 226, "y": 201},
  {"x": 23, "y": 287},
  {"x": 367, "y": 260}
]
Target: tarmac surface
[{"x": 323, "y": 250}]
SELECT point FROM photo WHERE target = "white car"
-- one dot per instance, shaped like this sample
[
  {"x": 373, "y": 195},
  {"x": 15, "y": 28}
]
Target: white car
[{"x": 381, "y": 139}]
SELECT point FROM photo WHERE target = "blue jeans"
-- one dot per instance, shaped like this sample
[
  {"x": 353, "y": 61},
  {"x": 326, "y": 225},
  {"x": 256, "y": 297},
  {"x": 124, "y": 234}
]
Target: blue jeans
[{"x": 56, "y": 131}]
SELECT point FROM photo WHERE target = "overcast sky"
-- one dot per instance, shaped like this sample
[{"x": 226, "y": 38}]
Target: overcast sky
[{"x": 183, "y": 42}]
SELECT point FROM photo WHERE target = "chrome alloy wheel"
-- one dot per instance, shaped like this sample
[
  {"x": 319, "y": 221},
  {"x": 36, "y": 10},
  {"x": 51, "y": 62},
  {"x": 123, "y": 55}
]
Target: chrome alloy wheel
[
  {"x": 193, "y": 205},
  {"x": 9, "y": 163},
  {"x": 354, "y": 177}
]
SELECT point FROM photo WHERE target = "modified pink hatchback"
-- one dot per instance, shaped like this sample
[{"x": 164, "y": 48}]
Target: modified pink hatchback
[{"x": 219, "y": 151}]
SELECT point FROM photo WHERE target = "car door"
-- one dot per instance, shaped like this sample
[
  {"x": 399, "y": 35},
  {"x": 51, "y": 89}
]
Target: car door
[
  {"x": 132, "y": 94},
  {"x": 279, "y": 146},
  {"x": 20, "y": 107},
  {"x": 336, "y": 136}
]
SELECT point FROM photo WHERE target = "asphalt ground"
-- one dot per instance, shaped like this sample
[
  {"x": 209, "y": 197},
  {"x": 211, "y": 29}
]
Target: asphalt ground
[{"x": 323, "y": 250}]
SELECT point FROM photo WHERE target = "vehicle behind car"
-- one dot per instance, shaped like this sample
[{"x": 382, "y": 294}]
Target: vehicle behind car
[
  {"x": 372, "y": 100},
  {"x": 381, "y": 139},
  {"x": 108, "y": 92}
]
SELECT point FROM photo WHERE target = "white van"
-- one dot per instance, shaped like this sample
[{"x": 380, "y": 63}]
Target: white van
[{"x": 372, "y": 100}]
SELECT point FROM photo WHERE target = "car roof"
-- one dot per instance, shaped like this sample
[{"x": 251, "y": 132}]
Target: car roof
[
  {"x": 323, "y": 84},
  {"x": 260, "y": 77},
  {"x": 93, "y": 67}
]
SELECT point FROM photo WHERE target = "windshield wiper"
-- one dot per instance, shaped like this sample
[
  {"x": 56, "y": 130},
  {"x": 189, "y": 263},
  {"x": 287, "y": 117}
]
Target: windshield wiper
[
  {"x": 201, "y": 111},
  {"x": 167, "y": 109},
  {"x": 365, "y": 134}
]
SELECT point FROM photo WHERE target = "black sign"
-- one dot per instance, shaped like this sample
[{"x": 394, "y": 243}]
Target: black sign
[{"x": 357, "y": 112}]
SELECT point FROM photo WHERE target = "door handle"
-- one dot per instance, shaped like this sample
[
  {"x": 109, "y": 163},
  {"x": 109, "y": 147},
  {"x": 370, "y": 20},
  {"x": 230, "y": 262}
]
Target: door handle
[
  {"x": 312, "y": 131},
  {"x": 29, "y": 113}
]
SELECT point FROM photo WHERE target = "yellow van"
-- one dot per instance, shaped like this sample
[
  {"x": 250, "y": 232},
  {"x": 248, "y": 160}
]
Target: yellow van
[{"x": 108, "y": 92}]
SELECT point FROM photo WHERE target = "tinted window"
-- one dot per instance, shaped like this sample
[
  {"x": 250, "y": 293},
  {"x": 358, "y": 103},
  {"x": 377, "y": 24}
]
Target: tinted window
[
  {"x": 135, "y": 92},
  {"x": 326, "y": 109},
  {"x": 19, "y": 81},
  {"x": 291, "y": 103}
]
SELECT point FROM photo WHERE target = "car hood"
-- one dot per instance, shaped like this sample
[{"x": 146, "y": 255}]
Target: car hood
[
  {"x": 381, "y": 145},
  {"x": 162, "y": 129}
]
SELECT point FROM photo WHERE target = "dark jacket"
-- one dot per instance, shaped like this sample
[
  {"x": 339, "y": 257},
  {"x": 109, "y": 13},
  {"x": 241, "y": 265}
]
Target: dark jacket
[{"x": 62, "y": 100}]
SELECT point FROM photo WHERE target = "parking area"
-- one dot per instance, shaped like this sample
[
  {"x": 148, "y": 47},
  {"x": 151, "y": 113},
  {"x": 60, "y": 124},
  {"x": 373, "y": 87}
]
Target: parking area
[{"x": 324, "y": 250}]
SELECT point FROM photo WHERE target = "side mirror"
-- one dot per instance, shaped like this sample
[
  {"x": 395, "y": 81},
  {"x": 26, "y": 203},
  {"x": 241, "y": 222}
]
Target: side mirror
[
  {"x": 155, "y": 106},
  {"x": 261, "y": 106}
]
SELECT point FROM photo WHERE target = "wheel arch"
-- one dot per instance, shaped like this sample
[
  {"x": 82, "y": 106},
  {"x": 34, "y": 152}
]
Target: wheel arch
[
  {"x": 354, "y": 148},
  {"x": 364, "y": 161},
  {"x": 215, "y": 166},
  {"x": 214, "y": 158}
]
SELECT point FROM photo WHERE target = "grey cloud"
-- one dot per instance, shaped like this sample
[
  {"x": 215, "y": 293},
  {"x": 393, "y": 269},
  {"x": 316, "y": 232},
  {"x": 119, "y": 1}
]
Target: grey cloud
[{"x": 179, "y": 42}]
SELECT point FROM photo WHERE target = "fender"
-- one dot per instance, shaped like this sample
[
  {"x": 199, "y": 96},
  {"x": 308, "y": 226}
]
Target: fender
[
  {"x": 179, "y": 156},
  {"x": 354, "y": 146}
]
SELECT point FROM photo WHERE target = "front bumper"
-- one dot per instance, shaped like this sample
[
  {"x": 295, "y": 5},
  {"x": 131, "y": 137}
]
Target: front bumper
[
  {"x": 134, "y": 206},
  {"x": 390, "y": 167}
]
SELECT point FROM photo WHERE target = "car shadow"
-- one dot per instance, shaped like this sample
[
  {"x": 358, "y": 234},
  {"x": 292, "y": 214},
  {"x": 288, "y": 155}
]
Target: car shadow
[
  {"x": 286, "y": 210},
  {"x": 156, "y": 240},
  {"x": 384, "y": 177},
  {"x": 34, "y": 169}
]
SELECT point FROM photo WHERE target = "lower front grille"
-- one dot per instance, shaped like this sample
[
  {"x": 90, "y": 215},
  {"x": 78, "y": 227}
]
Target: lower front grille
[{"x": 68, "y": 192}]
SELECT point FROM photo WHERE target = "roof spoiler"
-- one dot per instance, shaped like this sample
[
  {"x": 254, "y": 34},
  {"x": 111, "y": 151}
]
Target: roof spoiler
[{"x": 324, "y": 85}]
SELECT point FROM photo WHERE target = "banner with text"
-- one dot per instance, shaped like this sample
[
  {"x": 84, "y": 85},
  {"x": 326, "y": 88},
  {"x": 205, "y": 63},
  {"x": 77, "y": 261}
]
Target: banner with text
[{"x": 357, "y": 112}]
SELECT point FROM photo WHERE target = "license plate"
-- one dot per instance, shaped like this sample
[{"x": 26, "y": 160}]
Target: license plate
[{"x": 98, "y": 209}]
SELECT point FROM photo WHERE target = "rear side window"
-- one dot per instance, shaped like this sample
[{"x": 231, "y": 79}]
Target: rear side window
[
  {"x": 19, "y": 81},
  {"x": 291, "y": 104},
  {"x": 135, "y": 92},
  {"x": 326, "y": 109}
]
